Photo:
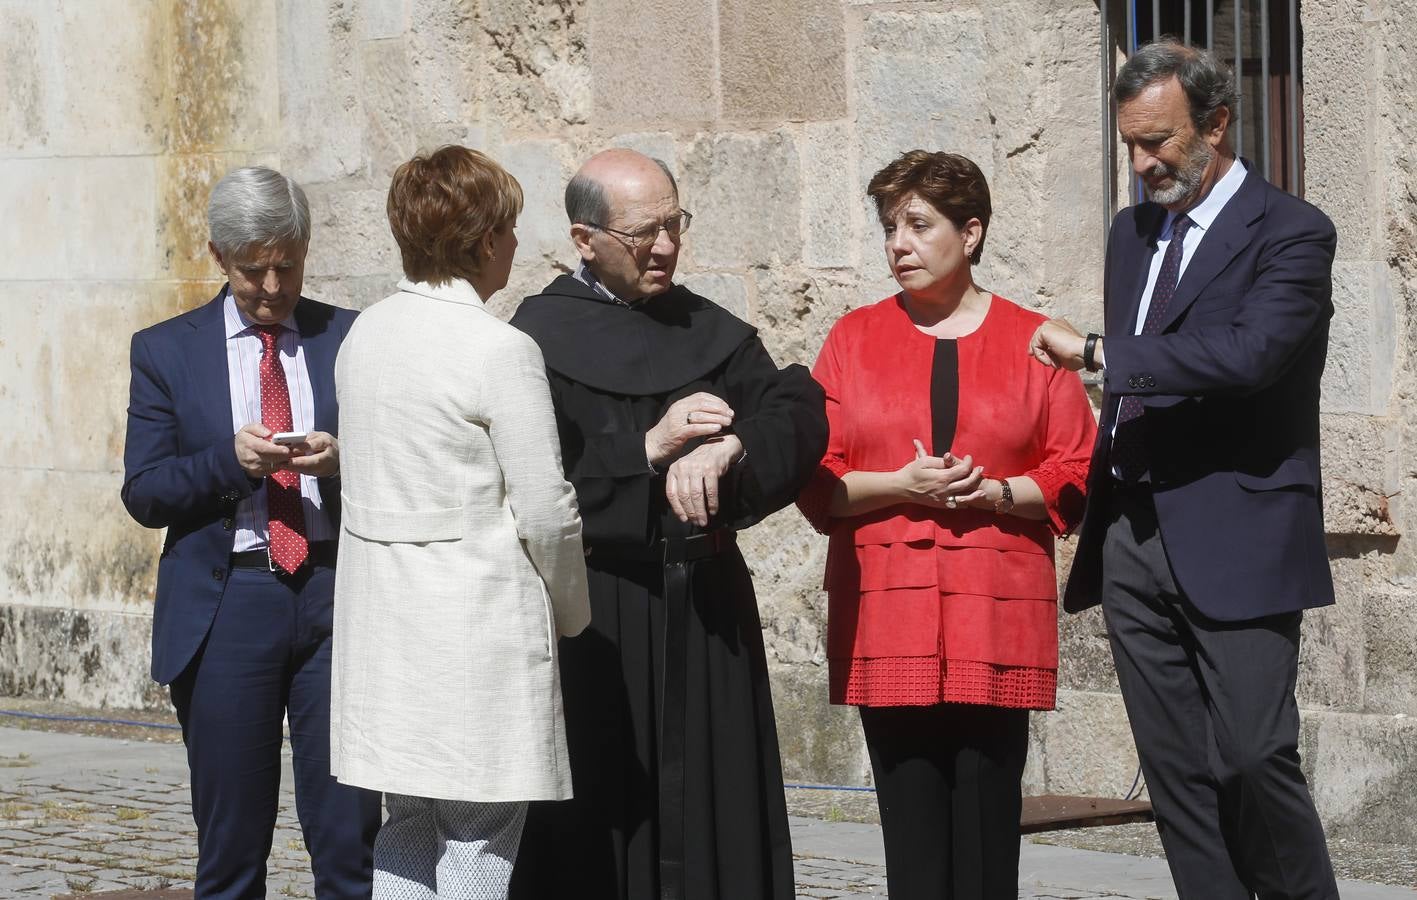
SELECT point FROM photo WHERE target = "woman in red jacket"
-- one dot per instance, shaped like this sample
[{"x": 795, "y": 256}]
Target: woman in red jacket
[{"x": 952, "y": 464}]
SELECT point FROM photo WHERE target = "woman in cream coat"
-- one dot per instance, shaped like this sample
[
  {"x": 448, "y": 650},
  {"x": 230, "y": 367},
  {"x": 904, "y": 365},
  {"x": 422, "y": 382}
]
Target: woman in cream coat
[{"x": 460, "y": 559}]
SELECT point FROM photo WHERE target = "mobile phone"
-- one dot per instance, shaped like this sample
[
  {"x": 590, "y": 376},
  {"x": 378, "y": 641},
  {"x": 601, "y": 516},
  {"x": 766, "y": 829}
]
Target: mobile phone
[{"x": 290, "y": 438}]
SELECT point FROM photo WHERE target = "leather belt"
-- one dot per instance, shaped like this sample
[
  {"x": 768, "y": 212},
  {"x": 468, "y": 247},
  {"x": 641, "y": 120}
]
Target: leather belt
[
  {"x": 322, "y": 553},
  {"x": 676, "y": 556}
]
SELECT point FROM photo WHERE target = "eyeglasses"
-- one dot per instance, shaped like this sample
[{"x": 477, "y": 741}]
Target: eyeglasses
[{"x": 674, "y": 226}]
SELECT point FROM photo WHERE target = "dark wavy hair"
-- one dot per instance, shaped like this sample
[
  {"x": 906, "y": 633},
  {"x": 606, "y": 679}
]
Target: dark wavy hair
[{"x": 951, "y": 183}]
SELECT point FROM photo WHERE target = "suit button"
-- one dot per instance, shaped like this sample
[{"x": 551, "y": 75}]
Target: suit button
[
  {"x": 218, "y": 574},
  {"x": 227, "y": 523}
]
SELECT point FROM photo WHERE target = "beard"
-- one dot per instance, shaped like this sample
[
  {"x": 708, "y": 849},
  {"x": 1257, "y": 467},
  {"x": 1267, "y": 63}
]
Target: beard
[{"x": 1185, "y": 179}]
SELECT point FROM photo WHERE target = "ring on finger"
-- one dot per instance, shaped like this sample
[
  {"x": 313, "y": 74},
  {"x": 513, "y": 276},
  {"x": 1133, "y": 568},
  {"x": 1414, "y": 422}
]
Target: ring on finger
[
  {"x": 951, "y": 503},
  {"x": 688, "y": 418}
]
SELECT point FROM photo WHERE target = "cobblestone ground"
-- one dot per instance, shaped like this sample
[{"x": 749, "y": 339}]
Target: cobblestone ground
[{"x": 83, "y": 815}]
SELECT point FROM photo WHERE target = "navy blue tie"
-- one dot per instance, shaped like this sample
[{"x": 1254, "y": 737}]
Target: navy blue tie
[{"x": 1129, "y": 456}]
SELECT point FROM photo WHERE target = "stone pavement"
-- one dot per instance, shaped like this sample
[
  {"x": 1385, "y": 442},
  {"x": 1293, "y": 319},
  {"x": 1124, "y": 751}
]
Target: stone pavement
[{"x": 82, "y": 814}]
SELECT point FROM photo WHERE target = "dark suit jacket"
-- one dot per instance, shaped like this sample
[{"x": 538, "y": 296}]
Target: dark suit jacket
[
  {"x": 1231, "y": 390},
  {"x": 179, "y": 462}
]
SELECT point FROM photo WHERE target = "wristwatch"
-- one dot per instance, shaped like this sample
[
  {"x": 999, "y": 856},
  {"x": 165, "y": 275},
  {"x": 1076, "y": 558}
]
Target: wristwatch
[{"x": 1005, "y": 504}]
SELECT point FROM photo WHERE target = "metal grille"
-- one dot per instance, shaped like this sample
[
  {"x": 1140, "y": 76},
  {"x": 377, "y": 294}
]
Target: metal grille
[{"x": 1261, "y": 41}]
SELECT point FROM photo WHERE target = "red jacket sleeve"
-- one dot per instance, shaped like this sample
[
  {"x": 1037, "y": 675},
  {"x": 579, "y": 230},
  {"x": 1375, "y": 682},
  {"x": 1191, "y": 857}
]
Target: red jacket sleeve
[
  {"x": 815, "y": 499},
  {"x": 1070, "y": 432}
]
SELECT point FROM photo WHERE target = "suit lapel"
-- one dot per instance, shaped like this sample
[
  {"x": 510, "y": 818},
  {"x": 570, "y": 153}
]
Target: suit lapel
[
  {"x": 1133, "y": 263},
  {"x": 1231, "y": 232},
  {"x": 321, "y": 345},
  {"x": 208, "y": 367}
]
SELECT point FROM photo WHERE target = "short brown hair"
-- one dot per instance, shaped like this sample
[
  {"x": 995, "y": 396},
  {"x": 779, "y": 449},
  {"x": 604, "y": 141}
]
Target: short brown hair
[
  {"x": 442, "y": 205},
  {"x": 949, "y": 182}
]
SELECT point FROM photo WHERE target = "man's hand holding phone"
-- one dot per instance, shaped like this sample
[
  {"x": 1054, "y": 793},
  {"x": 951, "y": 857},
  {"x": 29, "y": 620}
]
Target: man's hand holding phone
[{"x": 261, "y": 451}]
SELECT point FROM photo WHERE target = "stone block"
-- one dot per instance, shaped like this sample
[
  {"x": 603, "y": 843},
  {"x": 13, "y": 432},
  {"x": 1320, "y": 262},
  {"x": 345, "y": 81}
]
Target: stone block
[
  {"x": 349, "y": 234},
  {"x": 223, "y": 63},
  {"x": 28, "y": 41},
  {"x": 322, "y": 118},
  {"x": 1342, "y": 147},
  {"x": 1362, "y": 340},
  {"x": 820, "y": 743},
  {"x": 535, "y": 61},
  {"x": 1084, "y": 653},
  {"x": 794, "y": 311},
  {"x": 65, "y": 388},
  {"x": 351, "y": 292},
  {"x": 1363, "y": 768},
  {"x": 384, "y": 18},
  {"x": 543, "y": 169},
  {"x": 728, "y": 291},
  {"x": 101, "y": 560},
  {"x": 743, "y": 189},
  {"x": 1045, "y": 243},
  {"x": 114, "y": 107},
  {"x": 1389, "y": 666},
  {"x": 782, "y": 61},
  {"x": 85, "y": 218},
  {"x": 444, "y": 44},
  {"x": 652, "y": 58},
  {"x": 831, "y": 197},
  {"x": 1361, "y": 456},
  {"x": 95, "y": 659},
  {"x": 787, "y": 559},
  {"x": 1331, "y": 659},
  {"x": 654, "y": 144},
  {"x": 1084, "y": 746},
  {"x": 390, "y": 137},
  {"x": 919, "y": 84}
]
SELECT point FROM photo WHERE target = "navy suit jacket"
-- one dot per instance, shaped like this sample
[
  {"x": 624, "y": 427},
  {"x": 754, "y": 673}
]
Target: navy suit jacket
[
  {"x": 179, "y": 462},
  {"x": 1231, "y": 392}
]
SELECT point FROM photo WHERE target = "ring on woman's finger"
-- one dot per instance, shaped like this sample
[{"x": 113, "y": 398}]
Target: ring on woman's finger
[
  {"x": 688, "y": 418},
  {"x": 951, "y": 503}
]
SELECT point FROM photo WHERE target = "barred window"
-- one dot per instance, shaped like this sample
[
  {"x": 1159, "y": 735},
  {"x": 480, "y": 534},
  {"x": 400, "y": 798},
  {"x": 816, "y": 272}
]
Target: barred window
[{"x": 1261, "y": 41}]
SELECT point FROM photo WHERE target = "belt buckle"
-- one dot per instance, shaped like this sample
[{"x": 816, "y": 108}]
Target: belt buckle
[{"x": 270, "y": 561}]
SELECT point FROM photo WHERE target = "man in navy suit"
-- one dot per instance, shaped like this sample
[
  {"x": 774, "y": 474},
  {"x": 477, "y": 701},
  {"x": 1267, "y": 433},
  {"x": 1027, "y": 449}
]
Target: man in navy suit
[
  {"x": 1203, "y": 538},
  {"x": 245, "y": 585}
]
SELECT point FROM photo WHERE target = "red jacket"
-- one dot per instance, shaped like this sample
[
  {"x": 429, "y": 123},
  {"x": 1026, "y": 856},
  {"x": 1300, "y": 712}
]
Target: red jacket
[{"x": 932, "y": 605}]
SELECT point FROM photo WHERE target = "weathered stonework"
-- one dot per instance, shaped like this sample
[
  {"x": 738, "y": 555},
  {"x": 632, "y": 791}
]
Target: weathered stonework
[{"x": 773, "y": 117}]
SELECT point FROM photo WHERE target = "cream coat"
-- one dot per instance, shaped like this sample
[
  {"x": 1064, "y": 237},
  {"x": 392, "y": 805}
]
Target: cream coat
[{"x": 460, "y": 556}]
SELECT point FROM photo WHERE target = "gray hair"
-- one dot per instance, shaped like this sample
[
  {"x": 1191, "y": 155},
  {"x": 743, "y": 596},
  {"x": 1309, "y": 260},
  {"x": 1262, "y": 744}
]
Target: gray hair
[
  {"x": 586, "y": 201},
  {"x": 1209, "y": 84},
  {"x": 256, "y": 206}
]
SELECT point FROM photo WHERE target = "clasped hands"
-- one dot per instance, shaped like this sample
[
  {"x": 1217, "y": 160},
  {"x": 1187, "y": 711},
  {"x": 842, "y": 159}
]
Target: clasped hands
[
  {"x": 944, "y": 482},
  {"x": 259, "y": 457},
  {"x": 691, "y": 482}
]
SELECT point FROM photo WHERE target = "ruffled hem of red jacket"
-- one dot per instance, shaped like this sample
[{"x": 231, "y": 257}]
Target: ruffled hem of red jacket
[{"x": 927, "y": 680}]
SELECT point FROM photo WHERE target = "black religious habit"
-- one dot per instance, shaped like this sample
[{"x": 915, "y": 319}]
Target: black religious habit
[{"x": 669, "y": 721}]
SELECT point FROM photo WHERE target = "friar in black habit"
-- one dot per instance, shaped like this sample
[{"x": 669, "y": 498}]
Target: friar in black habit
[{"x": 677, "y": 430}]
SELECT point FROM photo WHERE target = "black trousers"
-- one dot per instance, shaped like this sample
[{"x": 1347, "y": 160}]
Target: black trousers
[
  {"x": 1216, "y": 725},
  {"x": 267, "y": 657},
  {"x": 948, "y": 785}
]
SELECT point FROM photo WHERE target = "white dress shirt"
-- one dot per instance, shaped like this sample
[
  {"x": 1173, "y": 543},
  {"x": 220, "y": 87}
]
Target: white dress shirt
[{"x": 243, "y": 373}]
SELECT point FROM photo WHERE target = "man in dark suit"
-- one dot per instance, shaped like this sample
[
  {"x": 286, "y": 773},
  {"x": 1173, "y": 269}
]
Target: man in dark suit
[
  {"x": 1203, "y": 538},
  {"x": 245, "y": 585}
]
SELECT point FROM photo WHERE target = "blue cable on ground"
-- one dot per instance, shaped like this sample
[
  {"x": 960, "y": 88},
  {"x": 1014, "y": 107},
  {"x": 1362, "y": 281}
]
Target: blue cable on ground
[{"x": 50, "y": 717}]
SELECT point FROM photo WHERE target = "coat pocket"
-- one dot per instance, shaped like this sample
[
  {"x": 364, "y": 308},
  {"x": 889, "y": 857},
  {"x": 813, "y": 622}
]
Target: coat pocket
[{"x": 402, "y": 526}]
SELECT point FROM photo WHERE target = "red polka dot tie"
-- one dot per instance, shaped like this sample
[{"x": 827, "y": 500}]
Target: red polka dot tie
[
  {"x": 283, "y": 508},
  {"x": 1129, "y": 456}
]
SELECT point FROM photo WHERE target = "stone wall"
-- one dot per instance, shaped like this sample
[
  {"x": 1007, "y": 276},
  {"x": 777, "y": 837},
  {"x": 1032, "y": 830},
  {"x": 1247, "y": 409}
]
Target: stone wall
[{"x": 120, "y": 114}]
